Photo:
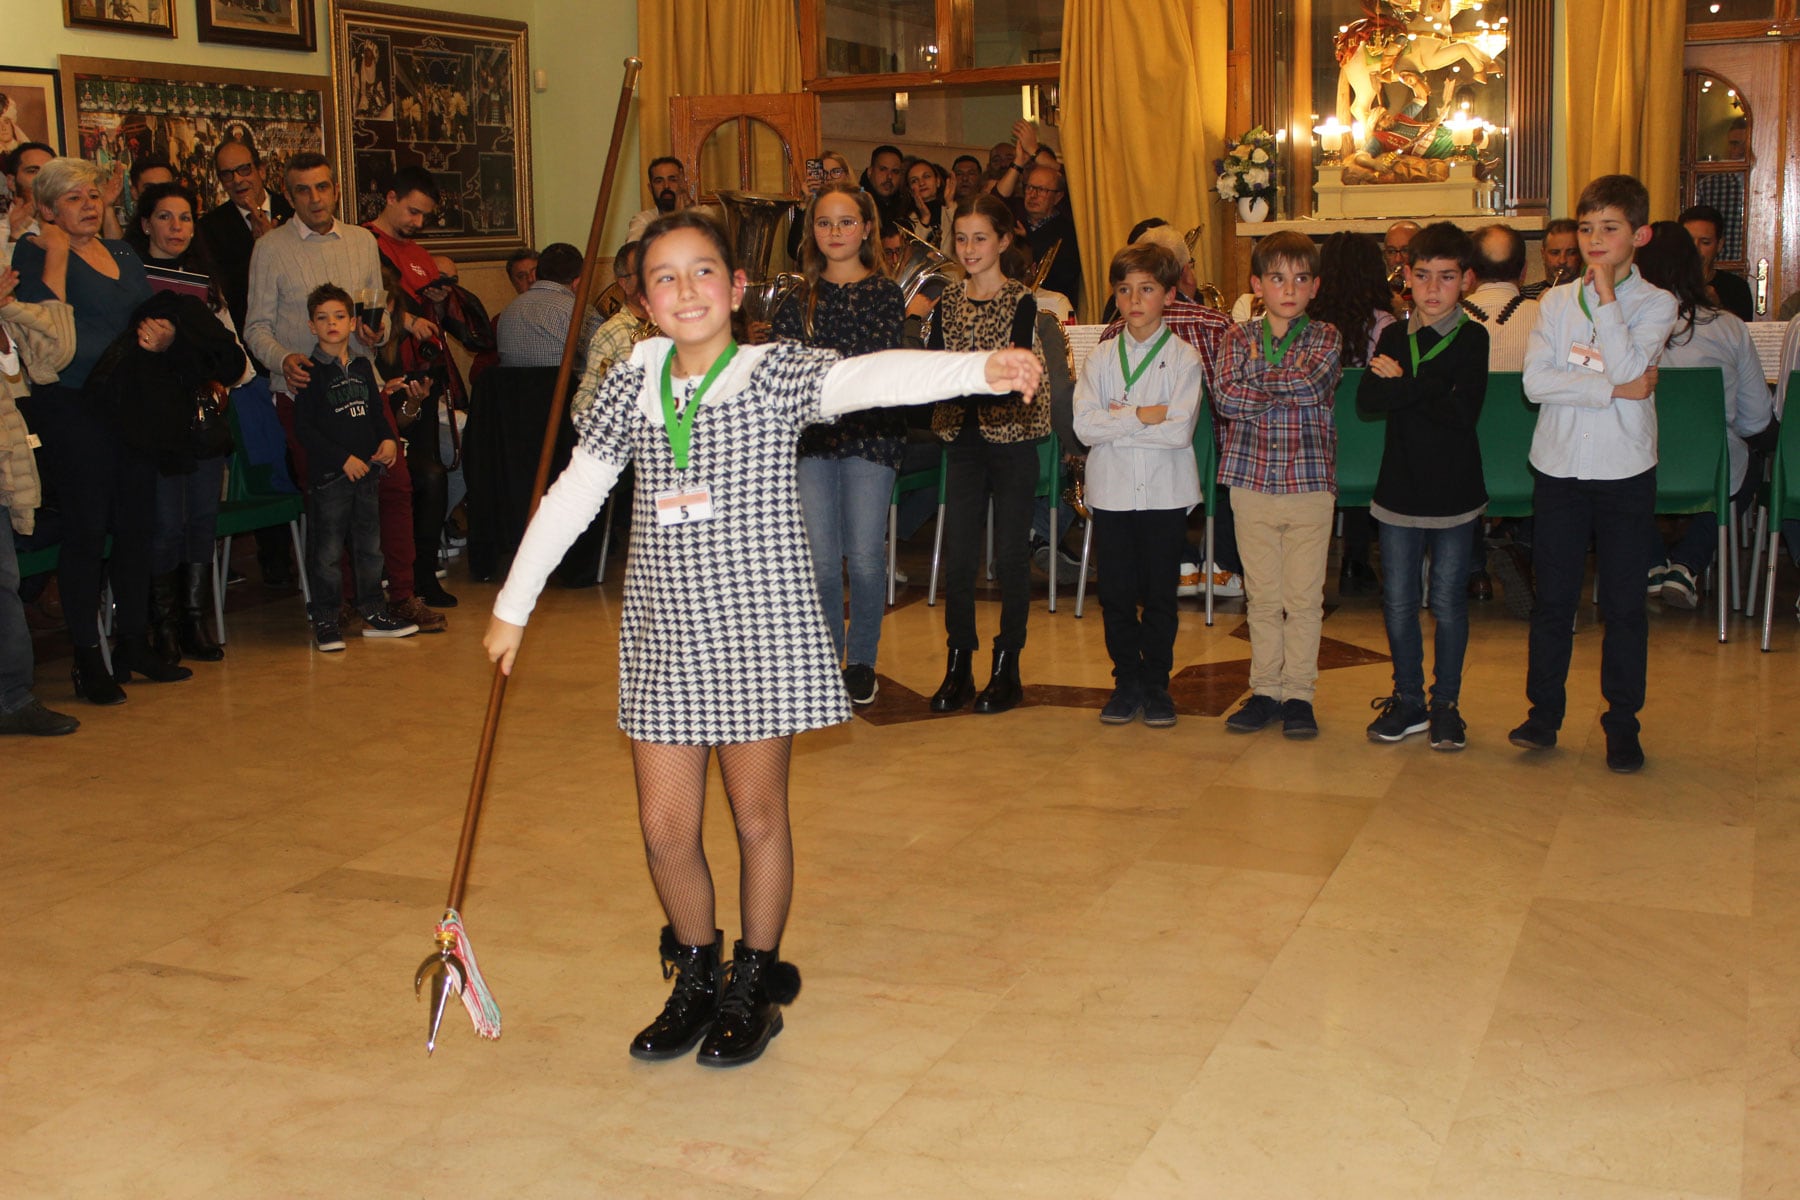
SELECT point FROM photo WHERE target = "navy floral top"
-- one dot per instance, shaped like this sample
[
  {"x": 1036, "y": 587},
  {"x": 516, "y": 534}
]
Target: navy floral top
[{"x": 853, "y": 318}]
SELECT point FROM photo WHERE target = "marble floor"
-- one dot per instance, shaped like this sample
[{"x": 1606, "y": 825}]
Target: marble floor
[{"x": 1042, "y": 958}]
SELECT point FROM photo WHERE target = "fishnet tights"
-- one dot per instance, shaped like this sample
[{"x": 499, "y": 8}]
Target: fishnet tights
[{"x": 671, "y": 784}]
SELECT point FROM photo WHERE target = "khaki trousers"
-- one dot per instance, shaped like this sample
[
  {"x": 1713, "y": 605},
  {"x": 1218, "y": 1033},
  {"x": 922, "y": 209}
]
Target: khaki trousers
[{"x": 1283, "y": 541}]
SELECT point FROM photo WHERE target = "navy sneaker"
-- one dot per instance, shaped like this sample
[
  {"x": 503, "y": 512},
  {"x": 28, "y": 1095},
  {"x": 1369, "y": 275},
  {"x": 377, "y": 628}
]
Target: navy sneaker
[
  {"x": 1399, "y": 719},
  {"x": 1257, "y": 712},
  {"x": 1297, "y": 720}
]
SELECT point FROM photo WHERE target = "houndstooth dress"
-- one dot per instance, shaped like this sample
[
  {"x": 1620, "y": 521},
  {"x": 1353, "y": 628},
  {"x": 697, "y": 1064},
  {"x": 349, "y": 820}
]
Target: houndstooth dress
[{"x": 721, "y": 638}]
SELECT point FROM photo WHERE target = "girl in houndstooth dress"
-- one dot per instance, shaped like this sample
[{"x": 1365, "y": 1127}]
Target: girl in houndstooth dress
[{"x": 722, "y": 643}]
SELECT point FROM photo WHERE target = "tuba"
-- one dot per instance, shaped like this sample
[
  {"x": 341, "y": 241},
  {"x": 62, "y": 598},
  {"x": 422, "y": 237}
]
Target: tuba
[
  {"x": 924, "y": 263},
  {"x": 753, "y": 222},
  {"x": 1043, "y": 267}
]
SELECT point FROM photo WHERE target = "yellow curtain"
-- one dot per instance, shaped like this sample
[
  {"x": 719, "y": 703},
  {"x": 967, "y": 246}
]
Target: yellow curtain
[
  {"x": 1625, "y": 95},
  {"x": 703, "y": 48},
  {"x": 1143, "y": 104}
]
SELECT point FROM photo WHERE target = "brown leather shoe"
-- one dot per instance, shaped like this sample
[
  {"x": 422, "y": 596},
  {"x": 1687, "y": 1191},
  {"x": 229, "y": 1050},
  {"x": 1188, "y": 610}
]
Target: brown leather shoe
[{"x": 414, "y": 609}]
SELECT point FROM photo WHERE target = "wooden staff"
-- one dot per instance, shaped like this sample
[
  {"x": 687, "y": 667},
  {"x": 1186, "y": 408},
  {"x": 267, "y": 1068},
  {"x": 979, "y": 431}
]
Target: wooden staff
[{"x": 451, "y": 968}]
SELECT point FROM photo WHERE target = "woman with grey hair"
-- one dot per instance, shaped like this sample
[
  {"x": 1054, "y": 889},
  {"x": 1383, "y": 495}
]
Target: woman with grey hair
[{"x": 91, "y": 476}]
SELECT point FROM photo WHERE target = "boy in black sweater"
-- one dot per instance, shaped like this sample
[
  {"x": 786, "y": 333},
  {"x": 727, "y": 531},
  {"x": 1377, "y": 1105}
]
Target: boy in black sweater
[
  {"x": 339, "y": 423},
  {"x": 1429, "y": 376}
]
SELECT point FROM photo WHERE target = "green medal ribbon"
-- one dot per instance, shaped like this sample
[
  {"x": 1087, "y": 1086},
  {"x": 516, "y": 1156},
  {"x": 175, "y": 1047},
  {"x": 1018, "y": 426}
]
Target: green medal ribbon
[
  {"x": 1132, "y": 376},
  {"x": 680, "y": 426},
  {"x": 1274, "y": 352},
  {"x": 1581, "y": 293},
  {"x": 1413, "y": 341}
]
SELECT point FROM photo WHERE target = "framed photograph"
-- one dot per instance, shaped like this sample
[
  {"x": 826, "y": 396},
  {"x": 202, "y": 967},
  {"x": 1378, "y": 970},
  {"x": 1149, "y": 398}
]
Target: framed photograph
[
  {"x": 117, "y": 112},
  {"x": 277, "y": 24},
  {"x": 30, "y": 108},
  {"x": 153, "y": 17},
  {"x": 446, "y": 93}
]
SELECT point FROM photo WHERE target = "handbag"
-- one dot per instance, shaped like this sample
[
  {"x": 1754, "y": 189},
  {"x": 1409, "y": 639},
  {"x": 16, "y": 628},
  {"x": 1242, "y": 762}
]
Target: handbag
[{"x": 209, "y": 434}]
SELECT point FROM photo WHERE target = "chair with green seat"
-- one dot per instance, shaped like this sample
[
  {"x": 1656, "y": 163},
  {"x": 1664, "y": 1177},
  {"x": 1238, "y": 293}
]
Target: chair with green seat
[
  {"x": 252, "y": 503},
  {"x": 1783, "y": 504},
  {"x": 1206, "y": 459},
  {"x": 1360, "y": 440},
  {"x": 915, "y": 481},
  {"x": 1693, "y": 461},
  {"x": 1507, "y": 423}
]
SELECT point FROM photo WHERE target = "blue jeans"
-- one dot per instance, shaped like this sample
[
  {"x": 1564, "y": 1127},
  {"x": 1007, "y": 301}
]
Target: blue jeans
[
  {"x": 340, "y": 509},
  {"x": 845, "y": 503},
  {"x": 1402, "y": 551},
  {"x": 15, "y": 636}
]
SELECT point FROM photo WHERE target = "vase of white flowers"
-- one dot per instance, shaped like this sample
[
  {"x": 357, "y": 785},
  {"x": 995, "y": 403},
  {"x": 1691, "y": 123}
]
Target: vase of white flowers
[{"x": 1247, "y": 174}]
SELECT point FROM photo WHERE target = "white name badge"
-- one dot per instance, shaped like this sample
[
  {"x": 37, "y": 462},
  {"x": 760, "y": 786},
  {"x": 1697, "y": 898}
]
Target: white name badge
[
  {"x": 684, "y": 507},
  {"x": 1583, "y": 355}
]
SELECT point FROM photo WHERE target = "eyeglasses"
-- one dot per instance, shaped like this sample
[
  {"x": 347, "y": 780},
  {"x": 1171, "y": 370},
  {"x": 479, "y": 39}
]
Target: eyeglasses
[
  {"x": 1032, "y": 189},
  {"x": 837, "y": 172},
  {"x": 841, "y": 225},
  {"x": 241, "y": 171}
]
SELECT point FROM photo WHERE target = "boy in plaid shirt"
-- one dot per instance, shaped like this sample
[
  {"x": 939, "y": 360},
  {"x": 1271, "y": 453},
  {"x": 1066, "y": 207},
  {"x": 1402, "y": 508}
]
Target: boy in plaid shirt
[{"x": 1275, "y": 378}]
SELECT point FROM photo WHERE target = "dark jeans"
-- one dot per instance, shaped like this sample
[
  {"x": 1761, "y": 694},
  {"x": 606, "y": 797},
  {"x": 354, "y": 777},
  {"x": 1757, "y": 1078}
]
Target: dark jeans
[
  {"x": 1009, "y": 472},
  {"x": 1139, "y": 555},
  {"x": 1402, "y": 553},
  {"x": 338, "y": 510},
  {"x": 187, "y": 515},
  {"x": 15, "y": 636},
  {"x": 1618, "y": 515}
]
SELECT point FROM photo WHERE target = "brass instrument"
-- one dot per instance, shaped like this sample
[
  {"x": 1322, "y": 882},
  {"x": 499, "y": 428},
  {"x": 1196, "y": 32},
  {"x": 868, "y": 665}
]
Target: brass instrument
[
  {"x": 753, "y": 222},
  {"x": 1212, "y": 297},
  {"x": 1075, "y": 495},
  {"x": 924, "y": 263},
  {"x": 1044, "y": 264},
  {"x": 610, "y": 300}
]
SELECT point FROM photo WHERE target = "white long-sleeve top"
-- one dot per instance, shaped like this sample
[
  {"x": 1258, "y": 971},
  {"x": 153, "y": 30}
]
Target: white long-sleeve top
[
  {"x": 891, "y": 378},
  {"x": 1582, "y": 432},
  {"x": 1724, "y": 342},
  {"x": 1131, "y": 466}
]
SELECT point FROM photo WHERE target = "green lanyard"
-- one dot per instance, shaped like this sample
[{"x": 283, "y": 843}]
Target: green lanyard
[
  {"x": 1274, "y": 352},
  {"x": 1413, "y": 340},
  {"x": 1132, "y": 376},
  {"x": 1581, "y": 293},
  {"x": 680, "y": 426}
]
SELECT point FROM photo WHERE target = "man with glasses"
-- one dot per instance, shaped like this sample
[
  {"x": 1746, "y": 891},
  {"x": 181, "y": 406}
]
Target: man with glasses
[
  {"x": 668, "y": 188},
  {"x": 231, "y": 229},
  {"x": 1047, "y": 225}
]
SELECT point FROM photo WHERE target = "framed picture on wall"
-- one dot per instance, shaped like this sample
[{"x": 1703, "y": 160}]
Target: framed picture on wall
[
  {"x": 446, "y": 93},
  {"x": 153, "y": 17},
  {"x": 118, "y": 112},
  {"x": 278, "y": 24},
  {"x": 30, "y": 108}
]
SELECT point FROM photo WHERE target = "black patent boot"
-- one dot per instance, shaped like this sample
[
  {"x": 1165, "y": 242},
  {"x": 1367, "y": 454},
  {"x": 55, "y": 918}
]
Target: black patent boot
[
  {"x": 1003, "y": 691},
  {"x": 93, "y": 682},
  {"x": 165, "y": 638},
  {"x": 758, "y": 984},
  {"x": 197, "y": 641},
  {"x": 958, "y": 687},
  {"x": 691, "y": 1005},
  {"x": 133, "y": 654}
]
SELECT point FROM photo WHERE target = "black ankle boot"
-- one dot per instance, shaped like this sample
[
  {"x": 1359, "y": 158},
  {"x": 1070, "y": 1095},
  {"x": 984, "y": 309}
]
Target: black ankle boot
[
  {"x": 958, "y": 687},
  {"x": 132, "y": 653},
  {"x": 691, "y": 1006},
  {"x": 165, "y": 638},
  {"x": 1003, "y": 691},
  {"x": 197, "y": 641},
  {"x": 93, "y": 682},
  {"x": 759, "y": 984}
]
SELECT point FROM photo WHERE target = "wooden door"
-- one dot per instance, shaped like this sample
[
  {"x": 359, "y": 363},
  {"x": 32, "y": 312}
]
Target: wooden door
[
  {"x": 1719, "y": 164},
  {"x": 771, "y": 138}
]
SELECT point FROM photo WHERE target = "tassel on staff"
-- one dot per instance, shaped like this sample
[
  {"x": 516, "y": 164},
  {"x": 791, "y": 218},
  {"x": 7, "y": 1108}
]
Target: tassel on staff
[{"x": 451, "y": 968}]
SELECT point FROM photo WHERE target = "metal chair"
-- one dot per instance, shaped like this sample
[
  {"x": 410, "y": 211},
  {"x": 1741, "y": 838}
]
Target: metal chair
[
  {"x": 915, "y": 481},
  {"x": 1783, "y": 502},
  {"x": 1693, "y": 467},
  {"x": 251, "y": 503}
]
